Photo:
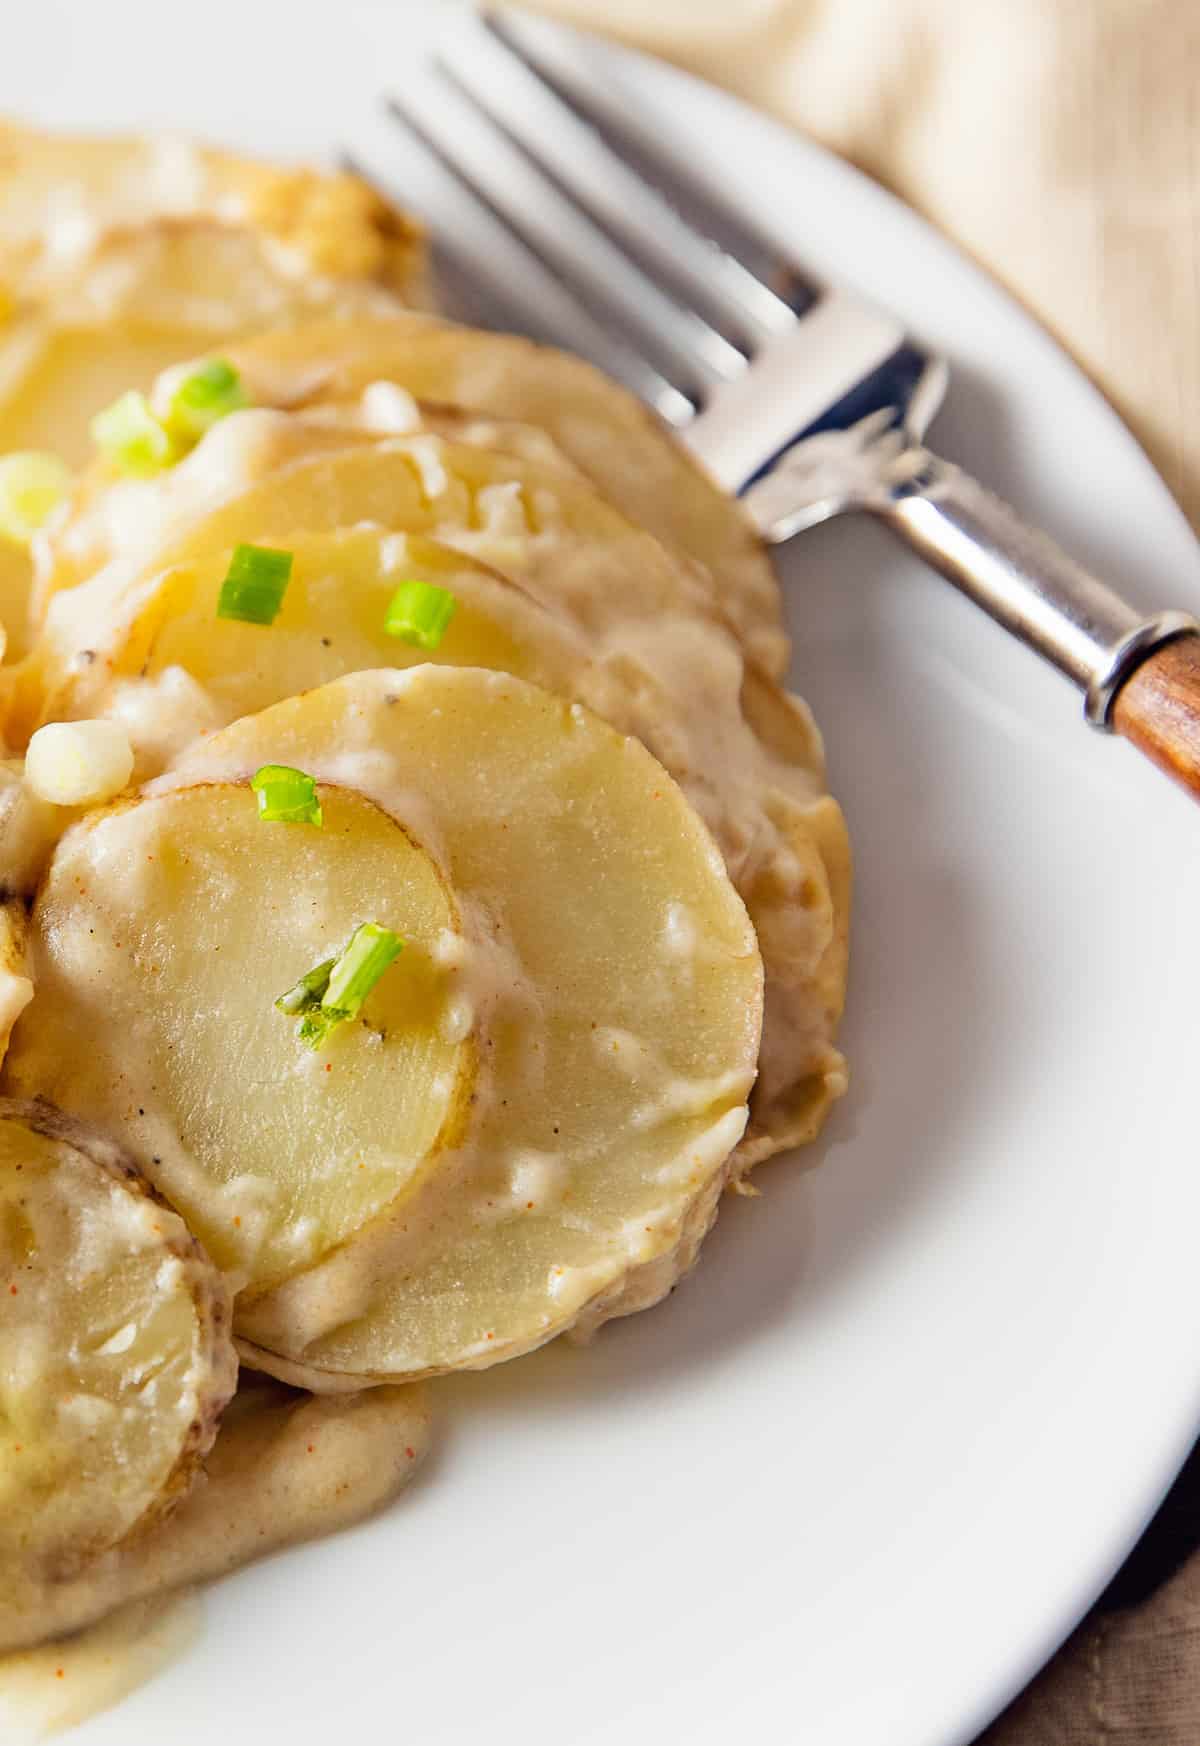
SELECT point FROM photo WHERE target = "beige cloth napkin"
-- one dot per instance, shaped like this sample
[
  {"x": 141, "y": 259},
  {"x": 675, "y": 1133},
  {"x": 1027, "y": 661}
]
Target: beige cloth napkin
[
  {"x": 1059, "y": 142},
  {"x": 1129, "y": 1679}
]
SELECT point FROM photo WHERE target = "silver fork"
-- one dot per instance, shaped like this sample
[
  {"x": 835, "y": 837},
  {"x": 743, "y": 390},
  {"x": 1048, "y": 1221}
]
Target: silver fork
[{"x": 807, "y": 403}]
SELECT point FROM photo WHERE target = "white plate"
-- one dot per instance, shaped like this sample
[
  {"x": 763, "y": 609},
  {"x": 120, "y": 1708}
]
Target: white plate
[{"x": 863, "y": 1471}]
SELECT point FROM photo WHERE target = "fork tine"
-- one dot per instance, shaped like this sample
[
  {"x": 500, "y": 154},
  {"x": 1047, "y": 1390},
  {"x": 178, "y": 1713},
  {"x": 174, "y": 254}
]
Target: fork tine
[
  {"x": 577, "y": 67},
  {"x": 692, "y": 355},
  {"x": 494, "y": 280},
  {"x": 506, "y": 82}
]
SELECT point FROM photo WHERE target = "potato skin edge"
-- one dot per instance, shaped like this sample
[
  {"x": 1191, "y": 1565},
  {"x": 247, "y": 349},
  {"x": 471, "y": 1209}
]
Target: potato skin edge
[{"x": 208, "y": 1291}]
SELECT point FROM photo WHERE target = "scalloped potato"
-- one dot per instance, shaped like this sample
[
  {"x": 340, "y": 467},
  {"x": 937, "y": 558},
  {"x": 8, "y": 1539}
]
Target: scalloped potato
[
  {"x": 277, "y": 1161},
  {"x": 623, "y": 626},
  {"x": 598, "y": 426},
  {"x": 613, "y": 1066},
  {"x": 120, "y": 256},
  {"x": 115, "y": 1352},
  {"x": 260, "y": 475},
  {"x": 284, "y": 1469},
  {"x": 476, "y": 913}
]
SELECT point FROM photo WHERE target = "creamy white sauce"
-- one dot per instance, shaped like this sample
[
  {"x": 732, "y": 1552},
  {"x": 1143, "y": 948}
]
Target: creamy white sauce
[
  {"x": 71, "y": 229},
  {"x": 389, "y": 409},
  {"x": 176, "y": 173},
  {"x": 119, "y": 1342},
  {"x": 450, "y": 951},
  {"x": 284, "y": 1468},
  {"x": 674, "y": 1097},
  {"x": 457, "y": 1019},
  {"x": 53, "y": 1688},
  {"x": 393, "y": 552},
  {"x": 431, "y": 469},
  {"x": 501, "y": 511},
  {"x": 679, "y": 932},
  {"x": 537, "y": 1181}
]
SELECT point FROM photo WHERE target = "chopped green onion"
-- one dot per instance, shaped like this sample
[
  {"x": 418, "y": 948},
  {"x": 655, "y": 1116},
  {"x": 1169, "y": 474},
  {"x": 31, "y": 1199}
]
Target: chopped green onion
[
  {"x": 254, "y": 584},
  {"x": 210, "y": 393},
  {"x": 419, "y": 613},
  {"x": 334, "y": 991},
  {"x": 318, "y": 1023},
  {"x": 31, "y": 485},
  {"x": 132, "y": 438},
  {"x": 360, "y": 966},
  {"x": 302, "y": 996},
  {"x": 286, "y": 796}
]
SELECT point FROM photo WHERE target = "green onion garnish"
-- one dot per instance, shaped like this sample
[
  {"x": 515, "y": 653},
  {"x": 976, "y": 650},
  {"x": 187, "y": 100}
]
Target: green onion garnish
[
  {"x": 302, "y": 996},
  {"x": 286, "y": 796},
  {"x": 317, "y": 1025},
  {"x": 132, "y": 438},
  {"x": 254, "y": 584},
  {"x": 31, "y": 485},
  {"x": 334, "y": 991},
  {"x": 210, "y": 393},
  {"x": 419, "y": 613},
  {"x": 360, "y": 966}
]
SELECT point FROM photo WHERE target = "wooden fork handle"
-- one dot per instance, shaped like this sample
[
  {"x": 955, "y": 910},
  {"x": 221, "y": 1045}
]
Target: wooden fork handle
[{"x": 1157, "y": 710}]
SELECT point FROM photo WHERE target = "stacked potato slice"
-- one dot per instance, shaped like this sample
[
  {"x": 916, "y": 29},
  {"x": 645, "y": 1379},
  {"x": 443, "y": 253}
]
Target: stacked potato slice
[
  {"x": 513, "y": 518},
  {"x": 585, "y": 814},
  {"x": 537, "y": 1104},
  {"x": 116, "y": 1359},
  {"x": 119, "y": 256}
]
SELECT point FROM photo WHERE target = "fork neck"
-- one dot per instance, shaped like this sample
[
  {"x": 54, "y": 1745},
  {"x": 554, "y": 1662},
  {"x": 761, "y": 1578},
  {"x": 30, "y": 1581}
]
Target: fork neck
[{"x": 1023, "y": 579}]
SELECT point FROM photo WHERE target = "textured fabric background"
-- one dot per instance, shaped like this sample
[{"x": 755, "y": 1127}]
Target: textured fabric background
[{"x": 1059, "y": 142}]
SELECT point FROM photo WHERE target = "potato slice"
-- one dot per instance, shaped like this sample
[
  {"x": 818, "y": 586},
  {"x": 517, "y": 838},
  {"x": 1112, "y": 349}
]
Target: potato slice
[
  {"x": 284, "y": 1468},
  {"x": 115, "y": 530},
  {"x": 16, "y": 989},
  {"x": 62, "y": 195},
  {"x": 331, "y": 623},
  {"x": 119, "y": 257},
  {"x": 604, "y": 430},
  {"x": 29, "y": 828},
  {"x": 115, "y": 1352},
  {"x": 192, "y": 915},
  {"x": 607, "y": 967}
]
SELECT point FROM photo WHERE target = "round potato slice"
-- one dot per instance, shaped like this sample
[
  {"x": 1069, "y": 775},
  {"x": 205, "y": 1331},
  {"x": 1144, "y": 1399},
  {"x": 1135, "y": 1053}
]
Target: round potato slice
[
  {"x": 115, "y": 1352},
  {"x": 604, "y": 430},
  {"x": 332, "y": 622},
  {"x": 284, "y": 1468},
  {"x": 117, "y": 531},
  {"x": 606, "y": 967},
  {"x": 174, "y": 923}
]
